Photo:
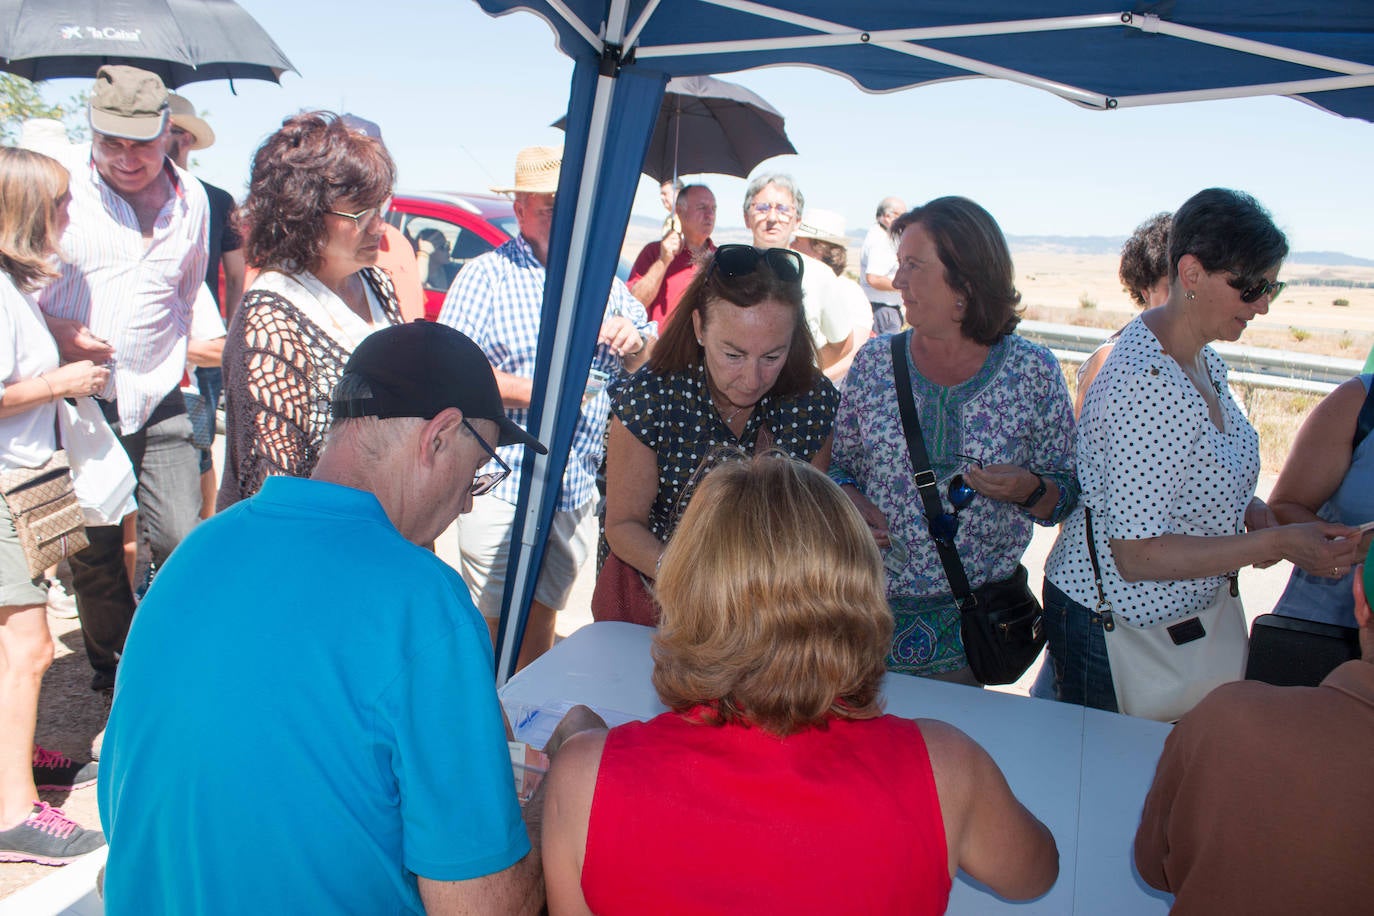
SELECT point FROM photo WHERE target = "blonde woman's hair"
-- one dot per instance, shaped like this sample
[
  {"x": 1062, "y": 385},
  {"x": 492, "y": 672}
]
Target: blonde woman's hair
[
  {"x": 773, "y": 608},
  {"x": 31, "y": 184}
]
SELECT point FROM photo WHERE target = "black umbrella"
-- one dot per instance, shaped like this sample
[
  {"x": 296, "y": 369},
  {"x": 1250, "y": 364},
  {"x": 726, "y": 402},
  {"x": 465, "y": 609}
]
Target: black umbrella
[
  {"x": 709, "y": 125},
  {"x": 182, "y": 41}
]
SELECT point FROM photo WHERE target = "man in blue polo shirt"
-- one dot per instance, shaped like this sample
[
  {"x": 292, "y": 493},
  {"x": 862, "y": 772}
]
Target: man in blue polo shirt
[{"x": 325, "y": 701}]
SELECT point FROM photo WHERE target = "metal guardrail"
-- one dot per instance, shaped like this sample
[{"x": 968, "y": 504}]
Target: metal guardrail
[{"x": 1249, "y": 365}]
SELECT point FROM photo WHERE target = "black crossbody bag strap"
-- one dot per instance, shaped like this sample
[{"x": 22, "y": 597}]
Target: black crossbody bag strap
[{"x": 925, "y": 477}]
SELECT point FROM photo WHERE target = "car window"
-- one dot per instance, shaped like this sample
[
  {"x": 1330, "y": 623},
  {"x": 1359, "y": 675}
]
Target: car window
[{"x": 452, "y": 247}]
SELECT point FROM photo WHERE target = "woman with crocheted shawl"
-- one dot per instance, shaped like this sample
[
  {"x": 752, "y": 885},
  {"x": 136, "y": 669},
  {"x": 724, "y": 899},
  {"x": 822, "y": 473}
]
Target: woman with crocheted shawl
[{"x": 315, "y": 211}]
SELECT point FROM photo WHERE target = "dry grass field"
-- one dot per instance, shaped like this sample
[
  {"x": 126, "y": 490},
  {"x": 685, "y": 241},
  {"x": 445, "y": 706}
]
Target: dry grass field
[{"x": 1084, "y": 290}]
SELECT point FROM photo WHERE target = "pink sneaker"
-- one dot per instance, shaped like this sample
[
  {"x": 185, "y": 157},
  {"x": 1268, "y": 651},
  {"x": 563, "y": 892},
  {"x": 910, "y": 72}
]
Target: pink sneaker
[
  {"x": 56, "y": 772},
  {"x": 47, "y": 836}
]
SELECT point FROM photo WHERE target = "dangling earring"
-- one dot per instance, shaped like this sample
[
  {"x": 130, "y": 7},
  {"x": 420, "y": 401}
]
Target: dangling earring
[{"x": 1189, "y": 295}]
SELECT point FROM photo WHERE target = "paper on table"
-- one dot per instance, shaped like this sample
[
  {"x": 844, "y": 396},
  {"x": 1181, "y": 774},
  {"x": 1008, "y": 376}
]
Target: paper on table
[{"x": 534, "y": 725}]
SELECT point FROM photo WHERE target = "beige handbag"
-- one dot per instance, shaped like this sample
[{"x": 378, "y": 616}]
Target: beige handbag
[
  {"x": 47, "y": 517},
  {"x": 1162, "y": 671}
]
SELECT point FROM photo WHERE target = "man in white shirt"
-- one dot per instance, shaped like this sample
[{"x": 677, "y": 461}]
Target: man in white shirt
[
  {"x": 877, "y": 267},
  {"x": 773, "y": 206},
  {"x": 137, "y": 249}
]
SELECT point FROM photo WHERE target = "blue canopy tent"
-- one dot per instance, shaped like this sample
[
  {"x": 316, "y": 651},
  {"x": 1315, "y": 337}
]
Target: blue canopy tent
[{"x": 626, "y": 50}]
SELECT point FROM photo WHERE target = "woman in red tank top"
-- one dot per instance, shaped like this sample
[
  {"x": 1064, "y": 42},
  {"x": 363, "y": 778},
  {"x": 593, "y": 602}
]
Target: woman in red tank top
[{"x": 775, "y": 783}]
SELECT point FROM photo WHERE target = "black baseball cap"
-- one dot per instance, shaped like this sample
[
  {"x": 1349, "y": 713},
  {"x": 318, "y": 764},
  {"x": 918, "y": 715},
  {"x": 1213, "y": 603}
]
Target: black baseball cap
[{"x": 422, "y": 368}]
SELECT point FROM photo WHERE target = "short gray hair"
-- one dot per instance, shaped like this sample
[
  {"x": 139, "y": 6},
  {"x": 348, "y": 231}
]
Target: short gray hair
[
  {"x": 374, "y": 437},
  {"x": 782, "y": 180}
]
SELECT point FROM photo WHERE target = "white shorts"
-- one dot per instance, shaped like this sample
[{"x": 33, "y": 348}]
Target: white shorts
[{"x": 484, "y": 537}]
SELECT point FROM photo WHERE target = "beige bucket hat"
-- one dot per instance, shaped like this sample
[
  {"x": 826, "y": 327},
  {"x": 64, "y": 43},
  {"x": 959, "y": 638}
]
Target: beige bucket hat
[
  {"x": 128, "y": 103},
  {"x": 536, "y": 171},
  {"x": 184, "y": 116},
  {"x": 824, "y": 226}
]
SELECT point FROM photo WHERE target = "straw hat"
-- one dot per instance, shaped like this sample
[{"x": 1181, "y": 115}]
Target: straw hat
[
  {"x": 824, "y": 226},
  {"x": 536, "y": 171},
  {"x": 184, "y": 116}
]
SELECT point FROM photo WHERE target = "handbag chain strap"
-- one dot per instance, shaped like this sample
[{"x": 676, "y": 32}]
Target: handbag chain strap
[
  {"x": 1104, "y": 607},
  {"x": 925, "y": 477}
]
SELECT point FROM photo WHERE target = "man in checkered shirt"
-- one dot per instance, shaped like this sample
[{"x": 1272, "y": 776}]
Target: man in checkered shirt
[{"x": 497, "y": 300}]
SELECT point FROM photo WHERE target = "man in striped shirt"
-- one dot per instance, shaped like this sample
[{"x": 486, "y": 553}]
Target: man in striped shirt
[{"x": 136, "y": 253}]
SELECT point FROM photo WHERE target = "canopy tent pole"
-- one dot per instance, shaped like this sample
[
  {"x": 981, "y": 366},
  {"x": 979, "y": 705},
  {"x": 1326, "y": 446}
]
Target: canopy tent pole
[
  {"x": 596, "y": 181},
  {"x": 633, "y": 37},
  {"x": 530, "y": 532},
  {"x": 576, "y": 24},
  {"x": 1297, "y": 87}
]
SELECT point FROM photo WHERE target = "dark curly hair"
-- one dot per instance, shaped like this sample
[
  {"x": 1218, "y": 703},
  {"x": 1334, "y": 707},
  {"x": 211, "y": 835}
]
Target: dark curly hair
[
  {"x": 1226, "y": 230},
  {"x": 300, "y": 172},
  {"x": 977, "y": 264},
  {"x": 1145, "y": 257}
]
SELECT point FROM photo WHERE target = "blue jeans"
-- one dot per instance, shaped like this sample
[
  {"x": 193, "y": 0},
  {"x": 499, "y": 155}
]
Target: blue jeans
[
  {"x": 167, "y": 467},
  {"x": 1078, "y": 670}
]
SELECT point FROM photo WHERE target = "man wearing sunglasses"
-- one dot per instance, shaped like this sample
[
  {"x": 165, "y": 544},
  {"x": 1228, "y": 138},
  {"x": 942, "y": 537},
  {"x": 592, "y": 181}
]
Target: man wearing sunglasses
[
  {"x": 497, "y": 300},
  {"x": 337, "y": 768},
  {"x": 773, "y": 212}
]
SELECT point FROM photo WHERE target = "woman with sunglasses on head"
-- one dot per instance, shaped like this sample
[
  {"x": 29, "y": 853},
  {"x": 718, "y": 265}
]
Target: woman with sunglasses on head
[
  {"x": 735, "y": 368},
  {"x": 995, "y": 417},
  {"x": 315, "y": 212},
  {"x": 1168, "y": 461},
  {"x": 33, "y": 215},
  {"x": 774, "y": 783}
]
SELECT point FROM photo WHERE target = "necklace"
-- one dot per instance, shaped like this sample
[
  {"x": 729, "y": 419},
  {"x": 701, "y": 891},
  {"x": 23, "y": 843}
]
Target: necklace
[{"x": 734, "y": 413}]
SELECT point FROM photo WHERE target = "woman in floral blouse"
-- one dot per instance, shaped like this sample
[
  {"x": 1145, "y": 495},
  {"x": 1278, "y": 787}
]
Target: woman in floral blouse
[
  {"x": 735, "y": 369},
  {"x": 993, "y": 408}
]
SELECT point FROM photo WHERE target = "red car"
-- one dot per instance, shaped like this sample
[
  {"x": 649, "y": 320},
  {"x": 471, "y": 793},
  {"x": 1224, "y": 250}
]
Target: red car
[{"x": 459, "y": 227}]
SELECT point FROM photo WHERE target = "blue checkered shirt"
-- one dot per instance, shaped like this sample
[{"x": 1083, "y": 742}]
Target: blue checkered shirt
[{"x": 497, "y": 301}]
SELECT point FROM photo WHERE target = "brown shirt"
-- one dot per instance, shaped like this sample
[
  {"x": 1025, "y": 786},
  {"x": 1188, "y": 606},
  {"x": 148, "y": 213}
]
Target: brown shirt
[{"x": 1263, "y": 801}]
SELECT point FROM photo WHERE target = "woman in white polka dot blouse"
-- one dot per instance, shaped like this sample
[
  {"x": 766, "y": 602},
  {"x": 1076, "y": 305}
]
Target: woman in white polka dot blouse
[{"x": 1167, "y": 460}]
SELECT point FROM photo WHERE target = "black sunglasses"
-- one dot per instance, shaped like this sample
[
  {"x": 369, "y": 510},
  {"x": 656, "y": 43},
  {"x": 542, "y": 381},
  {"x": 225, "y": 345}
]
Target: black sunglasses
[
  {"x": 735, "y": 261},
  {"x": 1250, "y": 290},
  {"x": 944, "y": 527},
  {"x": 485, "y": 483}
]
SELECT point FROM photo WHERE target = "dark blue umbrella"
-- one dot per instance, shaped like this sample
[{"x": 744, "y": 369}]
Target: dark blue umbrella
[{"x": 182, "y": 41}]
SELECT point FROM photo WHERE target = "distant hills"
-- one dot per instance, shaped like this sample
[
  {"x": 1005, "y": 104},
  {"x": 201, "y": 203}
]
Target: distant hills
[
  {"x": 641, "y": 227},
  {"x": 1111, "y": 244}
]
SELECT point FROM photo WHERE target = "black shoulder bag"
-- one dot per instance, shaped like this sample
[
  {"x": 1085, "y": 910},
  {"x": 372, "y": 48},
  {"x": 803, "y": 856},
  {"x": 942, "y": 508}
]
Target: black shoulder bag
[{"x": 1001, "y": 623}]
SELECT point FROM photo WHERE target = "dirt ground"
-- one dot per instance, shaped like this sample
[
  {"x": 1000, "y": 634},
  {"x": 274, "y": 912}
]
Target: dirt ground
[{"x": 69, "y": 716}]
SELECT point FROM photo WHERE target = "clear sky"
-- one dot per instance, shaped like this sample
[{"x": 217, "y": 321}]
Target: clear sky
[{"x": 458, "y": 93}]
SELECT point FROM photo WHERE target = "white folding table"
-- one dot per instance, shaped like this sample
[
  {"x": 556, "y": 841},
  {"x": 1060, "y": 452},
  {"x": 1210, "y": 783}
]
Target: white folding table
[{"x": 1081, "y": 771}]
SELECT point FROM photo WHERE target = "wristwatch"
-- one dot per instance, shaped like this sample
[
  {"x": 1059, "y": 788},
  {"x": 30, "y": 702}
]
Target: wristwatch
[{"x": 1038, "y": 492}]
